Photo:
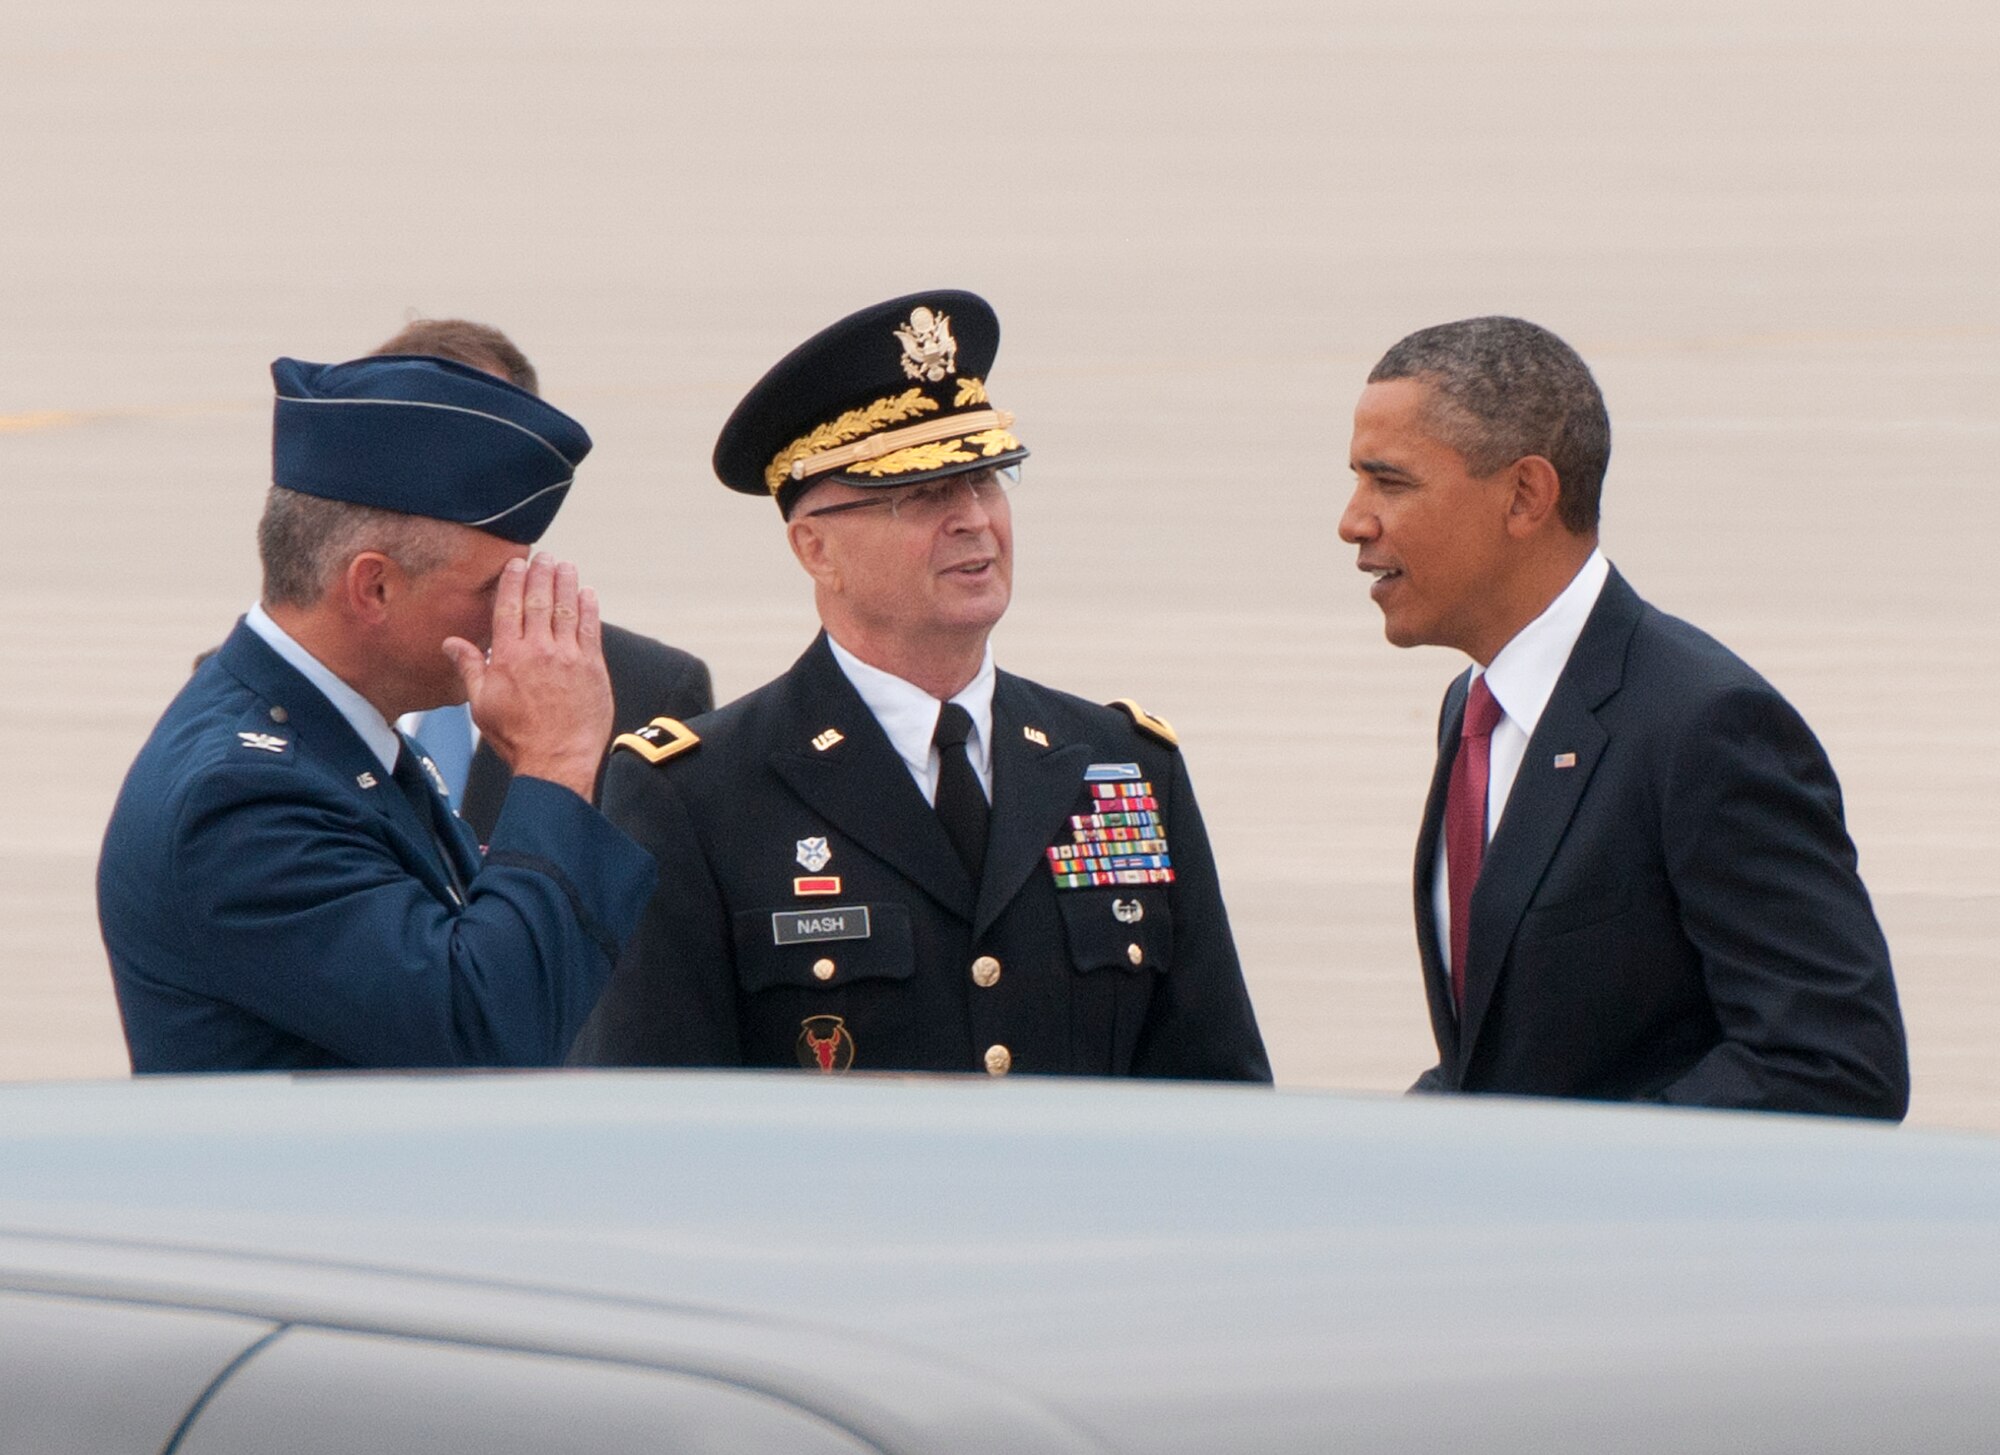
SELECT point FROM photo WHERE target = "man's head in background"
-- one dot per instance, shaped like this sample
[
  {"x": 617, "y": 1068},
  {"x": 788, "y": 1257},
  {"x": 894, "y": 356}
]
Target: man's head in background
[{"x": 477, "y": 345}]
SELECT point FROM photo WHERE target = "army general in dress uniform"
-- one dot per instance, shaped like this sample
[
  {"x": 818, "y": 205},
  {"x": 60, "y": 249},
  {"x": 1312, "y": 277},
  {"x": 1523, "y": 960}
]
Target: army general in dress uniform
[
  {"x": 283, "y": 884},
  {"x": 895, "y": 856}
]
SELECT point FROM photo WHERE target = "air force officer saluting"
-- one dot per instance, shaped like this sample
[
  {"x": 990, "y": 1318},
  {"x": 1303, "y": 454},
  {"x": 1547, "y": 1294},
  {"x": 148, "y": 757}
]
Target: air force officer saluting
[{"x": 283, "y": 884}]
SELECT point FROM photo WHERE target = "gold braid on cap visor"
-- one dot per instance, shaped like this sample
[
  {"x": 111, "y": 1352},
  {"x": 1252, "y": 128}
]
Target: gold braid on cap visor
[{"x": 852, "y": 442}]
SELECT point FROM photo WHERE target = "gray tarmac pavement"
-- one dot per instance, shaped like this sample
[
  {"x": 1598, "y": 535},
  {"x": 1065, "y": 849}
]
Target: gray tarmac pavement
[{"x": 1770, "y": 230}]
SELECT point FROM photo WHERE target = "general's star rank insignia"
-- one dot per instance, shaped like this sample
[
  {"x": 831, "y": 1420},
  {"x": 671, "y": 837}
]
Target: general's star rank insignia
[{"x": 659, "y": 740}]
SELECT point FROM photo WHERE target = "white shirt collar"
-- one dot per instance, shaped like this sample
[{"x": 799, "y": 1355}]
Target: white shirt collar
[
  {"x": 369, "y": 725},
  {"x": 909, "y": 715},
  {"x": 1523, "y": 675}
]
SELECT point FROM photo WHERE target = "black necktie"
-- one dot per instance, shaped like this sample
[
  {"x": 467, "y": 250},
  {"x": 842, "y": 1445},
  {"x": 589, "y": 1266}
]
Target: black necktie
[
  {"x": 409, "y": 776},
  {"x": 961, "y": 802}
]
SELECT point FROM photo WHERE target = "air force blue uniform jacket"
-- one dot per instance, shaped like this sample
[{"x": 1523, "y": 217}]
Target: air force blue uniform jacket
[{"x": 271, "y": 899}]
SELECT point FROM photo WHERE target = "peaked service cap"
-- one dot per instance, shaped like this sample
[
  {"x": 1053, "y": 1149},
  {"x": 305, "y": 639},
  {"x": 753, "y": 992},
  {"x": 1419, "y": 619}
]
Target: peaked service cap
[
  {"x": 425, "y": 437},
  {"x": 892, "y": 395}
]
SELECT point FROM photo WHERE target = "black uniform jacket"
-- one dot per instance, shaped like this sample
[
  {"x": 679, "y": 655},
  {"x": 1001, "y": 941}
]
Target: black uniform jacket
[
  {"x": 1670, "y": 908},
  {"x": 649, "y": 679},
  {"x": 734, "y": 965}
]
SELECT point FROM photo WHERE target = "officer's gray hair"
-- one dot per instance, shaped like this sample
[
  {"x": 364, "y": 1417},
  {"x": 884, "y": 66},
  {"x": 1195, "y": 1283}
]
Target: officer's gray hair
[
  {"x": 305, "y": 542},
  {"x": 1505, "y": 388}
]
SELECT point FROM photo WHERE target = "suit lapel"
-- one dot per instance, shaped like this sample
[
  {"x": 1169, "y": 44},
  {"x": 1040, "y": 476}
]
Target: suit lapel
[
  {"x": 323, "y": 736},
  {"x": 1035, "y": 789},
  {"x": 1545, "y": 796},
  {"x": 1437, "y": 981},
  {"x": 858, "y": 784}
]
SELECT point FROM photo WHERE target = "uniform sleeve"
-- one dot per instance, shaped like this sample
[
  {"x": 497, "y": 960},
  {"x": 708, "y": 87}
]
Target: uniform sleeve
[
  {"x": 1200, "y": 1024},
  {"x": 300, "y": 911},
  {"x": 672, "y": 997},
  {"x": 1770, "y": 897}
]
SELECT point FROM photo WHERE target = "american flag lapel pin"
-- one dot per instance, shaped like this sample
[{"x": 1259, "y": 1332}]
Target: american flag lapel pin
[{"x": 1565, "y": 760}]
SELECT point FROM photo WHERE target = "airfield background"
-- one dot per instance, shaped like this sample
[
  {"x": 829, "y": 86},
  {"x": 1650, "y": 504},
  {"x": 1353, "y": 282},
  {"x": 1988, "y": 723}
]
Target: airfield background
[{"x": 1770, "y": 230}]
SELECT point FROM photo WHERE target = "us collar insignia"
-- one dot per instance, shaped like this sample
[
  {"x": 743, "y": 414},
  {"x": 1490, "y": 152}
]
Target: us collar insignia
[
  {"x": 828, "y": 738},
  {"x": 929, "y": 350},
  {"x": 825, "y": 1045},
  {"x": 1036, "y": 736},
  {"x": 814, "y": 855}
]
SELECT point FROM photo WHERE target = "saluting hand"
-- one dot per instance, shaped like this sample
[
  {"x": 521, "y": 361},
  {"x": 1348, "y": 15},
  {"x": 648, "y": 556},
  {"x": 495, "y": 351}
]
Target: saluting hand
[{"x": 543, "y": 697}]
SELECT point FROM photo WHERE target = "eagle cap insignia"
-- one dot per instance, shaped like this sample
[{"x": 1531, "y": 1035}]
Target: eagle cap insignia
[
  {"x": 929, "y": 350},
  {"x": 266, "y": 742}
]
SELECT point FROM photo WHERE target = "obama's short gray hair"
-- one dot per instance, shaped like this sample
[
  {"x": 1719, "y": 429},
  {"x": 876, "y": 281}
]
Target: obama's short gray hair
[{"x": 1504, "y": 388}]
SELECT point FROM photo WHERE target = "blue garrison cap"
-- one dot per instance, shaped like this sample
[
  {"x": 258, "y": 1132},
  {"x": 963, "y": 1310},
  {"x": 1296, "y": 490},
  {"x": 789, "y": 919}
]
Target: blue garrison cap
[{"x": 426, "y": 437}]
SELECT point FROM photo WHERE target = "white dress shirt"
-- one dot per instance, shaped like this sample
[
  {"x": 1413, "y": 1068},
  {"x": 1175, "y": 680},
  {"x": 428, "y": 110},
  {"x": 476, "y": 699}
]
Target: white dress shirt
[
  {"x": 909, "y": 715},
  {"x": 372, "y": 728},
  {"x": 1521, "y": 677}
]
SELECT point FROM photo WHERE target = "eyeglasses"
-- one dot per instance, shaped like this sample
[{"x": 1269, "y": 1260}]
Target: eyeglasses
[{"x": 933, "y": 499}]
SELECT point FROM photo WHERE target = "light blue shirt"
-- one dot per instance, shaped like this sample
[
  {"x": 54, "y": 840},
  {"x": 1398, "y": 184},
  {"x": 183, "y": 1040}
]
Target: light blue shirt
[{"x": 369, "y": 725}]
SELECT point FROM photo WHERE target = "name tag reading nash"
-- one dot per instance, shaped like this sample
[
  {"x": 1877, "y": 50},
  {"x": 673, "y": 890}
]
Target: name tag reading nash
[{"x": 837, "y": 922}]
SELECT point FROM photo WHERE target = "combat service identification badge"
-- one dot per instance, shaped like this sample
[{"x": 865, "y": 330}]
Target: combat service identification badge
[
  {"x": 824, "y": 1044},
  {"x": 814, "y": 855}
]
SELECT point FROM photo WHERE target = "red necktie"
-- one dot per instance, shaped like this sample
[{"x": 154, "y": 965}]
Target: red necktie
[{"x": 1465, "y": 822}]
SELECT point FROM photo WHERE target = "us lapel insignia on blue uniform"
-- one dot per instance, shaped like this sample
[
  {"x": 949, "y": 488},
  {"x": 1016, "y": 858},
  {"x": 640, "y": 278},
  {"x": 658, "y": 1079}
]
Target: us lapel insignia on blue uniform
[
  {"x": 366, "y": 780},
  {"x": 814, "y": 855},
  {"x": 825, "y": 1044},
  {"x": 828, "y": 738},
  {"x": 267, "y": 742},
  {"x": 1036, "y": 736}
]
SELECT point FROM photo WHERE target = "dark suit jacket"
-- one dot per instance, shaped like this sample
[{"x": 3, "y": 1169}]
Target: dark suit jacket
[
  {"x": 271, "y": 900},
  {"x": 649, "y": 679},
  {"x": 1677, "y": 917},
  {"x": 1140, "y": 980}
]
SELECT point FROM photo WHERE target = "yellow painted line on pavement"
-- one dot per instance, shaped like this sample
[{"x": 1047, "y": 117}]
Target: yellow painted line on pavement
[
  {"x": 40, "y": 419},
  {"x": 33, "y": 420}
]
